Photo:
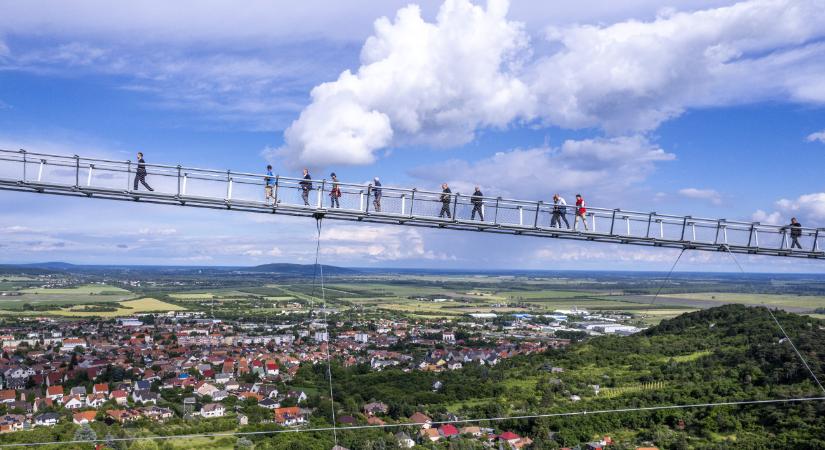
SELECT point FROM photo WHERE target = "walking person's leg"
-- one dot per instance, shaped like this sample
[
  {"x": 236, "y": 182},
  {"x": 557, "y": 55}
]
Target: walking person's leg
[
  {"x": 584, "y": 221},
  {"x": 305, "y": 197},
  {"x": 564, "y": 218},
  {"x": 554, "y": 220},
  {"x": 137, "y": 180},
  {"x": 143, "y": 182}
]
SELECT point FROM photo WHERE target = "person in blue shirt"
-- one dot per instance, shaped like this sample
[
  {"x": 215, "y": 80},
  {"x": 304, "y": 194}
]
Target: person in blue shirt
[{"x": 269, "y": 181}]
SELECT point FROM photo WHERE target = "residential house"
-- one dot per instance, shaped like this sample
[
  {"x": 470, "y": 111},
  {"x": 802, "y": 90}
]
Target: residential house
[
  {"x": 8, "y": 396},
  {"x": 157, "y": 413},
  {"x": 268, "y": 403},
  {"x": 145, "y": 397},
  {"x": 123, "y": 415},
  {"x": 421, "y": 419},
  {"x": 72, "y": 402},
  {"x": 430, "y": 434},
  {"x": 213, "y": 410},
  {"x": 374, "y": 408},
  {"x": 48, "y": 419},
  {"x": 404, "y": 440},
  {"x": 54, "y": 393},
  {"x": 95, "y": 400},
  {"x": 84, "y": 417},
  {"x": 289, "y": 416},
  {"x": 119, "y": 396},
  {"x": 100, "y": 388},
  {"x": 448, "y": 431}
]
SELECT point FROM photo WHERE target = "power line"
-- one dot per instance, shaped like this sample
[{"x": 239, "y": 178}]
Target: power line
[
  {"x": 782, "y": 329},
  {"x": 442, "y": 422}
]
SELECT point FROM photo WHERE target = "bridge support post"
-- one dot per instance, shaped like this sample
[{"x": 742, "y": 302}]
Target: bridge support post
[
  {"x": 76, "y": 172},
  {"x": 25, "y": 163}
]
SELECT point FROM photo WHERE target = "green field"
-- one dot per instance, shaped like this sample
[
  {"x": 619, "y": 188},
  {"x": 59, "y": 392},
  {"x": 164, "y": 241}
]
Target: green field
[
  {"x": 86, "y": 294},
  {"x": 799, "y": 301}
]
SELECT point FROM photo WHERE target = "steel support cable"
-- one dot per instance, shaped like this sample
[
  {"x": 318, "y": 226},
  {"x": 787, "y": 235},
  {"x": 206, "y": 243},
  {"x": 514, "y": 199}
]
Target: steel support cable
[
  {"x": 319, "y": 270},
  {"x": 781, "y": 328},
  {"x": 667, "y": 278},
  {"x": 443, "y": 422}
]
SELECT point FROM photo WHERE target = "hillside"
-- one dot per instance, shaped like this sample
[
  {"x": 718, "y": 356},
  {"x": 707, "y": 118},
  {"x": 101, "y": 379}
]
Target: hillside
[{"x": 727, "y": 353}]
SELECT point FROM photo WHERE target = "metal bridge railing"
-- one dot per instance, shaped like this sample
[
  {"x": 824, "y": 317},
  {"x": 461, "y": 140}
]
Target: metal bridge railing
[{"x": 41, "y": 171}]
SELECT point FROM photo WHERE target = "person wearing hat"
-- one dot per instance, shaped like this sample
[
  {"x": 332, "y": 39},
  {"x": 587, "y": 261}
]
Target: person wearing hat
[
  {"x": 335, "y": 192},
  {"x": 375, "y": 187}
]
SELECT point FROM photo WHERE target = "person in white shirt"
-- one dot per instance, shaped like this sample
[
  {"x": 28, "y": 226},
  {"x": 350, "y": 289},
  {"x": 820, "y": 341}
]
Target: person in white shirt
[{"x": 559, "y": 212}]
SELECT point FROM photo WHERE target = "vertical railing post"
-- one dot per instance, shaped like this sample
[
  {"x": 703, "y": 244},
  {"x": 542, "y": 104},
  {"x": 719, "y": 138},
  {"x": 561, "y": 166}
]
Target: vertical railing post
[
  {"x": 718, "y": 229},
  {"x": 455, "y": 205},
  {"x": 661, "y": 228},
  {"x": 627, "y": 222},
  {"x": 784, "y": 238},
  {"x": 25, "y": 163},
  {"x": 536, "y": 219},
  {"x": 412, "y": 202},
  {"x": 228, "y": 185},
  {"x": 592, "y": 221},
  {"x": 495, "y": 214},
  {"x": 693, "y": 230},
  {"x": 320, "y": 200},
  {"x": 361, "y": 200},
  {"x": 128, "y": 174},
  {"x": 179, "y": 181},
  {"x": 185, "y": 180},
  {"x": 76, "y": 171},
  {"x": 403, "y": 203},
  {"x": 89, "y": 178},
  {"x": 40, "y": 170},
  {"x": 275, "y": 194},
  {"x": 649, "y": 220},
  {"x": 520, "y": 216},
  {"x": 369, "y": 193},
  {"x": 815, "y": 247}
]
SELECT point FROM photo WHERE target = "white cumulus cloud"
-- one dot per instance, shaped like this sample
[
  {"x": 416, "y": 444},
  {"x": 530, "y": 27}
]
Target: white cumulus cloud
[
  {"x": 473, "y": 68},
  {"x": 808, "y": 205},
  {"x": 818, "y": 136},
  {"x": 774, "y": 218},
  {"x": 709, "y": 195},
  {"x": 602, "y": 165},
  {"x": 418, "y": 82}
]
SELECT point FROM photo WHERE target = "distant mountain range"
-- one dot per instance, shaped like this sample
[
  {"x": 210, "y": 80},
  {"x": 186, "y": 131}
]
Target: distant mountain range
[{"x": 275, "y": 268}]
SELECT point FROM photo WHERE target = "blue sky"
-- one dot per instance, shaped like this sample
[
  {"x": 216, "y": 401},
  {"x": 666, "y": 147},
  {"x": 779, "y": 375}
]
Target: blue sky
[{"x": 710, "y": 108}]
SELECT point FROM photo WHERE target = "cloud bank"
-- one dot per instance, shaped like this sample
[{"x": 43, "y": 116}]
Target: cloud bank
[{"x": 473, "y": 69}]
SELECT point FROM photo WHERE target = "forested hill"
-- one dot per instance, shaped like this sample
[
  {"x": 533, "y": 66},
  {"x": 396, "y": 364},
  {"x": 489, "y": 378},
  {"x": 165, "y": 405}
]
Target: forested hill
[{"x": 728, "y": 353}]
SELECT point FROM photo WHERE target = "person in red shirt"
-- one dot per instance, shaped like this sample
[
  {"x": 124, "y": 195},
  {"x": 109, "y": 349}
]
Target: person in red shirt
[{"x": 581, "y": 211}]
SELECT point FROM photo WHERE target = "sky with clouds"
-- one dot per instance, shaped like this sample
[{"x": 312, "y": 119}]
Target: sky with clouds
[{"x": 711, "y": 108}]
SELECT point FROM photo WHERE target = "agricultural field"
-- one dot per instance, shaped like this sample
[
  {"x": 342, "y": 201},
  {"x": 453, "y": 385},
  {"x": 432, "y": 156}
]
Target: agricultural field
[
  {"x": 124, "y": 308},
  {"x": 36, "y": 298},
  {"x": 796, "y": 301}
]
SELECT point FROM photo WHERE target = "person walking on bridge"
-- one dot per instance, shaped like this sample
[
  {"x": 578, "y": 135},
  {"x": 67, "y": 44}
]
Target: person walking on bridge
[
  {"x": 477, "y": 200},
  {"x": 581, "y": 212},
  {"x": 335, "y": 192},
  {"x": 796, "y": 232},
  {"x": 306, "y": 186},
  {"x": 446, "y": 197},
  {"x": 140, "y": 173},
  {"x": 375, "y": 190},
  {"x": 269, "y": 182},
  {"x": 559, "y": 212}
]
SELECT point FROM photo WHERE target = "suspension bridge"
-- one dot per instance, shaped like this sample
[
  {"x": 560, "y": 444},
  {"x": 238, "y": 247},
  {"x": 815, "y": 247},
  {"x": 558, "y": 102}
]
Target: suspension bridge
[{"x": 94, "y": 178}]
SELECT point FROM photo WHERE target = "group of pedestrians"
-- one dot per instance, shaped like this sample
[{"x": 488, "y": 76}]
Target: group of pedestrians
[{"x": 374, "y": 190}]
